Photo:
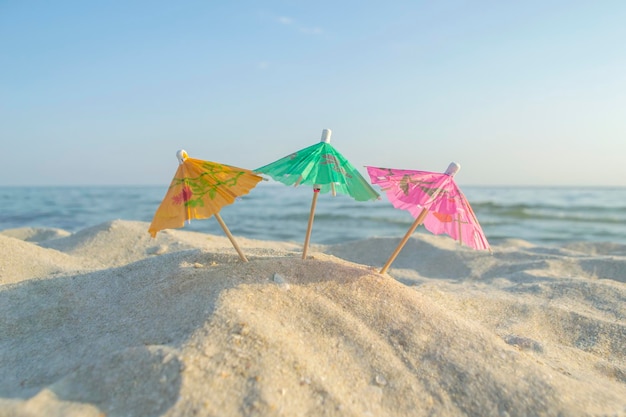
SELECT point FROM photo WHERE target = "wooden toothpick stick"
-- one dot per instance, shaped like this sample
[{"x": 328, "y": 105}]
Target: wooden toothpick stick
[{"x": 406, "y": 237}]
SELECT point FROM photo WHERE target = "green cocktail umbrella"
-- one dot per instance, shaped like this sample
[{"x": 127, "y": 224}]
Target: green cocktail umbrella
[{"x": 325, "y": 169}]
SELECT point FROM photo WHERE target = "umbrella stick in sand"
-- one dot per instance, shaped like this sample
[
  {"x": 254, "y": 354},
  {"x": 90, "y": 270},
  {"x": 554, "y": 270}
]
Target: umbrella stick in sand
[
  {"x": 230, "y": 237},
  {"x": 406, "y": 237},
  {"x": 316, "y": 193}
]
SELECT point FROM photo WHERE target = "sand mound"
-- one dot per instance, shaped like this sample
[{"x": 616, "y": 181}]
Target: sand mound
[
  {"x": 35, "y": 234},
  {"x": 22, "y": 260},
  {"x": 119, "y": 242},
  {"x": 194, "y": 331}
]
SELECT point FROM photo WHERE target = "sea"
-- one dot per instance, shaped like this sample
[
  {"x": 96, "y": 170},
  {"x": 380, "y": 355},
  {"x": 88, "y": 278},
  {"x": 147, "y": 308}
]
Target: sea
[{"x": 273, "y": 211}]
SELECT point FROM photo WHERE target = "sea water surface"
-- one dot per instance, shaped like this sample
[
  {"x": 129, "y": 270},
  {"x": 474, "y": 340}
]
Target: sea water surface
[{"x": 273, "y": 211}]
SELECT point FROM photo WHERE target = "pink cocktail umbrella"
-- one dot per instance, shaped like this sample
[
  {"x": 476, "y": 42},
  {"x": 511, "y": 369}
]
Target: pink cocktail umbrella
[{"x": 435, "y": 200}]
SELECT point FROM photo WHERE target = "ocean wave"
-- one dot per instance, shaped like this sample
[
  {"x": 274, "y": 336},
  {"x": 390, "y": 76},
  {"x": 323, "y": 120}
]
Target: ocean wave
[{"x": 276, "y": 212}]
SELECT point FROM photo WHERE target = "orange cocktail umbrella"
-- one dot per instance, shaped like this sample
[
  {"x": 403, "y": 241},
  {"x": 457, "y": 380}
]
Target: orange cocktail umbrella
[{"x": 199, "y": 190}]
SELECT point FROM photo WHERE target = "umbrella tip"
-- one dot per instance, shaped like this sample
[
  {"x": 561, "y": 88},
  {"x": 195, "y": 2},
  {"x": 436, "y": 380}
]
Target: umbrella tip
[
  {"x": 326, "y": 135},
  {"x": 181, "y": 155},
  {"x": 453, "y": 168}
]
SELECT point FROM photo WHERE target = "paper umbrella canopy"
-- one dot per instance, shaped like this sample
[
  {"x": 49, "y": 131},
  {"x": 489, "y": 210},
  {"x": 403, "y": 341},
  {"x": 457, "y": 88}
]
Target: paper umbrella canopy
[
  {"x": 323, "y": 168},
  {"x": 435, "y": 200},
  {"x": 199, "y": 190}
]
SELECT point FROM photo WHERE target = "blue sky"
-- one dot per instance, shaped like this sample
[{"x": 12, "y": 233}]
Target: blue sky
[{"x": 517, "y": 92}]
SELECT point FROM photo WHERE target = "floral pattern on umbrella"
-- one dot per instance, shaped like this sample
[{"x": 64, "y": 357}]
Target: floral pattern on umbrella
[
  {"x": 199, "y": 190},
  {"x": 449, "y": 212}
]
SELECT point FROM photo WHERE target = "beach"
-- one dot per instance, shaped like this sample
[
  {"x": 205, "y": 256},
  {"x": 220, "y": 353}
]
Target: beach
[{"x": 109, "y": 321}]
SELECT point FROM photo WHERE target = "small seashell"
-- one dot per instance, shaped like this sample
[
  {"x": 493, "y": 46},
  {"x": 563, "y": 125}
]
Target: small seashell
[
  {"x": 380, "y": 380},
  {"x": 279, "y": 279}
]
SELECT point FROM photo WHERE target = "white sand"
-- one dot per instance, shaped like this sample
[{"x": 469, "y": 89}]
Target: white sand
[{"x": 109, "y": 321}]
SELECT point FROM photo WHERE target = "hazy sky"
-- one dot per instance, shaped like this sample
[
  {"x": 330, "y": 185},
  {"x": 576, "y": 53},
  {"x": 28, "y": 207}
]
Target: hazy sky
[{"x": 526, "y": 92}]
